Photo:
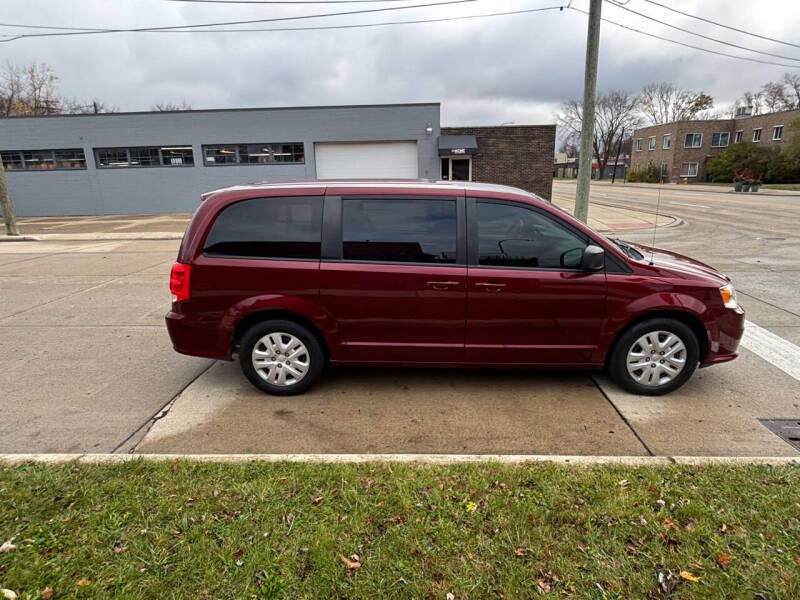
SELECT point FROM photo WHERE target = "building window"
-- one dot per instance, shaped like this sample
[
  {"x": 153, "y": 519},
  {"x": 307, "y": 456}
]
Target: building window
[
  {"x": 664, "y": 170},
  {"x": 757, "y": 135},
  {"x": 268, "y": 228},
  {"x": 738, "y": 137},
  {"x": 253, "y": 154},
  {"x": 693, "y": 140},
  {"x": 689, "y": 169},
  {"x": 144, "y": 156},
  {"x": 667, "y": 141},
  {"x": 777, "y": 132},
  {"x": 639, "y": 145},
  {"x": 720, "y": 140},
  {"x": 43, "y": 160},
  {"x": 651, "y": 143}
]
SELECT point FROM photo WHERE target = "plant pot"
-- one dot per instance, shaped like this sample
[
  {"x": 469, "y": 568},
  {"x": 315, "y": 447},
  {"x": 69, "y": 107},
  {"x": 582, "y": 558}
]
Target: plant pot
[
  {"x": 745, "y": 187},
  {"x": 737, "y": 186},
  {"x": 754, "y": 187}
]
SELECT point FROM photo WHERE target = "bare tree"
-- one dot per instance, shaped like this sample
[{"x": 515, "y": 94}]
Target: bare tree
[
  {"x": 775, "y": 97},
  {"x": 30, "y": 90},
  {"x": 792, "y": 83},
  {"x": 171, "y": 106},
  {"x": 665, "y": 102},
  {"x": 616, "y": 112}
]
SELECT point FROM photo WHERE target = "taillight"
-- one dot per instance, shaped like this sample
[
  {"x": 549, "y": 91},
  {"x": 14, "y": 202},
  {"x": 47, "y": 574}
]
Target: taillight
[{"x": 179, "y": 281}]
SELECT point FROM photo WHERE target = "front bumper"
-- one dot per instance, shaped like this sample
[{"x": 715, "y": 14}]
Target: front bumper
[{"x": 725, "y": 337}]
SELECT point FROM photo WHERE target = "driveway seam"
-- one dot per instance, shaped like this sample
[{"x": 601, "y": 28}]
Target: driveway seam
[
  {"x": 621, "y": 416},
  {"x": 162, "y": 412}
]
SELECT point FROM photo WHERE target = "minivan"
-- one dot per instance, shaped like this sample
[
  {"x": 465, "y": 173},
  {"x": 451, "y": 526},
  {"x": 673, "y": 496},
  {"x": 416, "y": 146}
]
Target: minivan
[{"x": 293, "y": 276}]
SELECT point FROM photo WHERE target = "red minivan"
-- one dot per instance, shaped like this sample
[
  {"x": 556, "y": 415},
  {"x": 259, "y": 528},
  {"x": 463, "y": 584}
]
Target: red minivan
[{"x": 293, "y": 276}]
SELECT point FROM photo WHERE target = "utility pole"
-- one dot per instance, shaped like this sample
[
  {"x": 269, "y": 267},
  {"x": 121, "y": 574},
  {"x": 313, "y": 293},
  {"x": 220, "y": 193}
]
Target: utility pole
[
  {"x": 587, "y": 119},
  {"x": 5, "y": 203}
]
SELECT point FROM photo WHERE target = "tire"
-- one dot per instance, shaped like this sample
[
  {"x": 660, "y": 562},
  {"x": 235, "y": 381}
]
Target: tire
[
  {"x": 300, "y": 360},
  {"x": 634, "y": 343}
]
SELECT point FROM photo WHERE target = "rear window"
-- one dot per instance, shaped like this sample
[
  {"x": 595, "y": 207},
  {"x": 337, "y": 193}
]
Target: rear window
[
  {"x": 399, "y": 230},
  {"x": 268, "y": 228}
]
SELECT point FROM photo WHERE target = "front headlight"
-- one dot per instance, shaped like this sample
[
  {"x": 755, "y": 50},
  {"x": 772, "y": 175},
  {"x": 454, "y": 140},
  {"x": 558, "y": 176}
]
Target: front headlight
[{"x": 728, "y": 296}]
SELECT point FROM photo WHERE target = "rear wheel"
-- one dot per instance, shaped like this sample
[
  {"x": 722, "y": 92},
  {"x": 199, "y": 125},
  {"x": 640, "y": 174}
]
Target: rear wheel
[
  {"x": 281, "y": 357},
  {"x": 654, "y": 357}
]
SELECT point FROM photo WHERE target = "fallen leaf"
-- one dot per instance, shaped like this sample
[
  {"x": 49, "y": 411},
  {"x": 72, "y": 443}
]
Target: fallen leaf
[
  {"x": 174, "y": 466},
  {"x": 47, "y": 593},
  {"x": 689, "y": 577},
  {"x": 670, "y": 524},
  {"x": 723, "y": 529},
  {"x": 316, "y": 499},
  {"x": 119, "y": 547},
  {"x": 9, "y": 594},
  {"x": 450, "y": 596},
  {"x": 544, "y": 586},
  {"x": 724, "y": 560},
  {"x": 520, "y": 551},
  {"x": 8, "y": 546},
  {"x": 84, "y": 582},
  {"x": 350, "y": 565}
]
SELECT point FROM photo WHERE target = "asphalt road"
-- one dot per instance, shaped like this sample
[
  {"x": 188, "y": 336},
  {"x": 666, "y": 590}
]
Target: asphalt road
[{"x": 87, "y": 364}]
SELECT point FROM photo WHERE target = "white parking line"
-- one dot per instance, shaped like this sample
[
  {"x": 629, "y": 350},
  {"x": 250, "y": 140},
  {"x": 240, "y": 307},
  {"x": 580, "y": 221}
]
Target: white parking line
[
  {"x": 688, "y": 204},
  {"x": 772, "y": 348}
]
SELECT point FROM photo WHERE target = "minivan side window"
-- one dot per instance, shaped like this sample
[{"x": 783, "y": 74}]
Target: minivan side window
[
  {"x": 515, "y": 236},
  {"x": 399, "y": 230},
  {"x": 268, "y": 228}
]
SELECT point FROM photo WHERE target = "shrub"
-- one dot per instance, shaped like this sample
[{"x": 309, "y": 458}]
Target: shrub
[
  {"x": 743, "y": 157},
  {"x": 650, "y": 174}
]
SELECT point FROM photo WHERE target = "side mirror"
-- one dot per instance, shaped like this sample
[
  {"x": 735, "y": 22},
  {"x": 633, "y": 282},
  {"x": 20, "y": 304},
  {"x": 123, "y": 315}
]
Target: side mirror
[{"x": 594, "y": 258}]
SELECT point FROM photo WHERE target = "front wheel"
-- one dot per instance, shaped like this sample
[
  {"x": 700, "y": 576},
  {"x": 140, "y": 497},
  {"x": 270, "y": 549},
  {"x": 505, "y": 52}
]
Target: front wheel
[
  {"x": 654, "y": 357},
  {"x": 281, "y": 357}
]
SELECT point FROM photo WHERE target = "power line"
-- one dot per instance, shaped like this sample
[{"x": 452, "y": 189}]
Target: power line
[
  {"x": 744, "y": 31},
  {"x": 665, "y": 39},
  {"x": 88, "y": 31},
  {"x": 700, "y": 35},
  {"x": 360, "y": 25},
  {"x": 285, "y": 1}
]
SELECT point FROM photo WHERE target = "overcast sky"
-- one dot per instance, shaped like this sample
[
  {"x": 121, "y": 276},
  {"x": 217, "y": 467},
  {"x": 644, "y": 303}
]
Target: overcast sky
[{"x": 483, "y": 71}]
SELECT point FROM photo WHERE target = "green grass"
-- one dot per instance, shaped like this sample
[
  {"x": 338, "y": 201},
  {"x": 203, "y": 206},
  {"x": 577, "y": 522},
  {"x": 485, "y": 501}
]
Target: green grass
[
  {"x": 259, "y": 530},
  {"x": 782, "y": 186}
]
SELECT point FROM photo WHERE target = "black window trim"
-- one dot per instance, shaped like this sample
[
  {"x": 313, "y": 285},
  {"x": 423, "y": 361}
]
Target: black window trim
[
  {"x": 332, "y": 243},
  {"x": 128, "y": 149},
  {"x": 264, "y": 258},
  {"x": 612, "y": 264},
  {"x": 204, "y": 163},
  {"x": 53, "y": 152}
]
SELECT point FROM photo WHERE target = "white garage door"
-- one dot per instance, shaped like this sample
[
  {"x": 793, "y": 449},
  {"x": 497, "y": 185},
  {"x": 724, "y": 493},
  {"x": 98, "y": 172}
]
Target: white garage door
[{"x": 370, "y": 160}]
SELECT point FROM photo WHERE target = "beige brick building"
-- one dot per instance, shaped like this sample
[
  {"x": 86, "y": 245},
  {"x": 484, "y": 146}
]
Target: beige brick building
[{"x": 682, "y": 149}]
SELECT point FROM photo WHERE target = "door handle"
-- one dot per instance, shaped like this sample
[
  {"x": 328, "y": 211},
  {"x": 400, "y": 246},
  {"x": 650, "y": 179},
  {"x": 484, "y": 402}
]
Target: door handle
[
  {"x": 442, "y": 285},
  {"x": 490, "y": 286}
]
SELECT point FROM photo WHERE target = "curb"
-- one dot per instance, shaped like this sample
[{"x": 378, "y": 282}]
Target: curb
[
  {"x": 689, "y": 188},
  {"x": 93, "y": 237},
  {"x": 440, "y": 459}
]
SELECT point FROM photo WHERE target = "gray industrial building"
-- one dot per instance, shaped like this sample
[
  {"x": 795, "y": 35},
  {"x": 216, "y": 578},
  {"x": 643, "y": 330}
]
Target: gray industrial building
[{"x": 160, "y": 162}]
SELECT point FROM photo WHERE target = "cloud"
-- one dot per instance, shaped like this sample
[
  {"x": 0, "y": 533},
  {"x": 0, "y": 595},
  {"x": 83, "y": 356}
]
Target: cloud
[{"x": 486, "y": 71}]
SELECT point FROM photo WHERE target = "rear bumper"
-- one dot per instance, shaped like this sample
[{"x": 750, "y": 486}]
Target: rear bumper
[
  {"x": 196, "y": 337},
  {"x": 725, "y": 338}
]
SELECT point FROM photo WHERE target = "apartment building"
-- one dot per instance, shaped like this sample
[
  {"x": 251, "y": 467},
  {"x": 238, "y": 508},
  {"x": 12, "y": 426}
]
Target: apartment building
[{"x": 681, "y": 150}]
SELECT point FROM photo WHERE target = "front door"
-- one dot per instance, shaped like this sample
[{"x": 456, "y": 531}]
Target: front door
[
  {"x": 456, "y": 169},
  {"x": 524, "y": 307},
  {"x": 398, "y": 291}
]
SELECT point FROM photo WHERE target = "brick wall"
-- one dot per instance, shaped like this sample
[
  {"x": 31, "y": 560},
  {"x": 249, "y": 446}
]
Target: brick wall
[
  {"x": 520, "y": 156},
  {"x": 678, "y": 156}
]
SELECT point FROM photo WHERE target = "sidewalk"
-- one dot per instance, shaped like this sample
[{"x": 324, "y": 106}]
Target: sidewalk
[{"x": 171, "y": 226}]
